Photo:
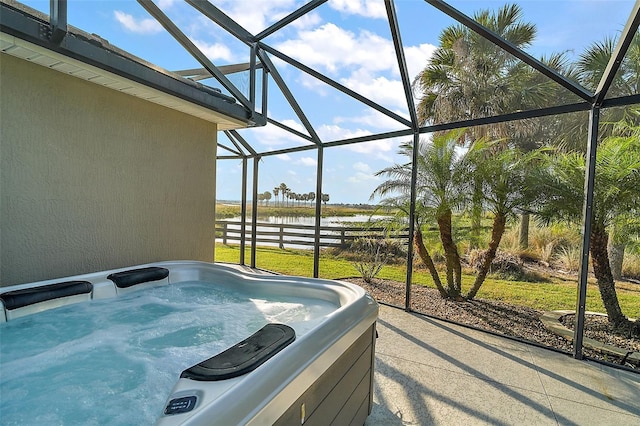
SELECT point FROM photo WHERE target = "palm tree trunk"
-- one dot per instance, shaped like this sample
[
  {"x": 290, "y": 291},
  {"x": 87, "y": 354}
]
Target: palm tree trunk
[
  {"x": 454, "y": 266},
  {"x": 523, "y": 235},
  {"x": 602, "y": 271},
  {"x": 499, "y": 223},
  {"x": 426, "y": 259},
  {"x": 476, "y": 213},
  {"x": 616, "y": 248}
]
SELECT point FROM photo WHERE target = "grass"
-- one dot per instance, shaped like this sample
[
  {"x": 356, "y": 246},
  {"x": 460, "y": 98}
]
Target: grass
[{"x": 556, "y": 293}]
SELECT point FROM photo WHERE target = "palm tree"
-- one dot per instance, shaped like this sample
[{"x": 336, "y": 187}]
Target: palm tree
[
  {"x": 615, "y": 121},
  {"x": 507, "y": 186},
  {"x": 469, "y": 77},
  {"x": 617, "y": 192},
  {"x": 276, "y": 190},
  {"x": 441, "y": 179},
  {"x": 283, "y": 190},
  {"x": 325, "y": 198},
  {"x": 442, "y": 187}
]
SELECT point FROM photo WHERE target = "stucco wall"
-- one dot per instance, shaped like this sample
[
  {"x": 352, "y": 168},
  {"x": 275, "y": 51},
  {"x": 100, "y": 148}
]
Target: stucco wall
[{"x": 94, "y": 179}]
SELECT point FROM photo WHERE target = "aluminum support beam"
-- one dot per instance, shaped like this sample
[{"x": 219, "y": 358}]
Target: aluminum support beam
[
  {"x": 58, "y": 20},
  {"x": 233, "y": 134},
  {"x": 512, "y": 49},
  {"x": 252, "y": 76},
  {"x": 181, "y": 38},
  {"x": 291, "y": 130},
  {"x": 514, "y": 116},
  {"x": 316, "y": 232},
  {"x": 224, "y": 21},
  {"x": 290, "y": 18},
  {"x": 406, "y": 84},
  {"x": 98, "y": 53},
  {"x": 238, "y": 153},
  {"x": 243, "y": 212},
  {"x": 618, "y": 54},
  {"x": 289, "y": 96},
  {"x": 587, "y": 220},
  {"x": 265, "y": 91},
  {"x": 254, "y": 212},
  {"x": 335, "y": 84}
]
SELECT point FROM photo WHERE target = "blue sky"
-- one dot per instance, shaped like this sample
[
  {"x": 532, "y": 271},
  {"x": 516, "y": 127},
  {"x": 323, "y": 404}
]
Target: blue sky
[{"x": 347, "y": 40}]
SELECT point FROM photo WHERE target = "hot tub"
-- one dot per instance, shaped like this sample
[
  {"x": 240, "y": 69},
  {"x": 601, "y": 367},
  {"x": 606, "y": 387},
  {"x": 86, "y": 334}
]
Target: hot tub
[{"x": 299, "y": 351}]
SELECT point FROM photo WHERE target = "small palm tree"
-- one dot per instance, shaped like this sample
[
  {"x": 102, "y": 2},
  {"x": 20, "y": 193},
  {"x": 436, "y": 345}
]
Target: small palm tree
[
  {"x": 616, "y": 193},
  {"x": 444, "y": 179},
  {"x": 441, "y": 184}
]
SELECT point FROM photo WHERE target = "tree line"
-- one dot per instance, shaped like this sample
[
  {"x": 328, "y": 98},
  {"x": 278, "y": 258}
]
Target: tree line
[
  {"x": 288, "y": 197},
  {"x": 522, "y": 168}
]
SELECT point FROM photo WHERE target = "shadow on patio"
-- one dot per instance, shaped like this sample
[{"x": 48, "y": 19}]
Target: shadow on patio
[{"x": 432, "y": 372}]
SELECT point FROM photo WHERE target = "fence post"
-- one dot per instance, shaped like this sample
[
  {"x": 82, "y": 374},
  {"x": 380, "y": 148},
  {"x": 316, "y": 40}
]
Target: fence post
[
  {"x": 342, "y": 243},
  {"x": 224, "y": 233},
  {"x": 281, "y": 241}
]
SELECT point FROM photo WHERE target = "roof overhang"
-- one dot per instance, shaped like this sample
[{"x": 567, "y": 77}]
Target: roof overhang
[{"x": 86, "y": 56}]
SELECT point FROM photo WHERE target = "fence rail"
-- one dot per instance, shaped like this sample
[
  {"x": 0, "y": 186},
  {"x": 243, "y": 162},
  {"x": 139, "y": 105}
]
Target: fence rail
[{"x": 302, "y": 235}]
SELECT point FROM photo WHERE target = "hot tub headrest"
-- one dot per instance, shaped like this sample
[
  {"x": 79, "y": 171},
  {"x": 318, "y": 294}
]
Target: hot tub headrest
[
  {"x": 245, "y": 356},
  {"x": 29, "y": 296},
  {"x": 132, "y": 277}
]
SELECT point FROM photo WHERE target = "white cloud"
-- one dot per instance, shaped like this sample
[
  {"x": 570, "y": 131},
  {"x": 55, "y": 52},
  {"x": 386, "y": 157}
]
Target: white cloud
[
  {"x": 417, "y": 57},
  {"x": 307, "y": 161},
  {"x": 255, "y": 16},
  {"x": 308, "y": 20},
  {"x": 362, "y": 178},
  {"x": 373, "y": 119},
  {"x": 332, "y": 132},
  {"x": 388, "y": 93},
  {"x": 142, "y": 26},
  {"x": 283, "y": 157},
  {"x": 271, "y": 136},
  {"x": 165, "y": 4},
  {"x": 362, "y": 167},
  {"x": 215, "y": 51},
  {"x": 367, "y": 8},
  {"x": 331, "y": 48}
]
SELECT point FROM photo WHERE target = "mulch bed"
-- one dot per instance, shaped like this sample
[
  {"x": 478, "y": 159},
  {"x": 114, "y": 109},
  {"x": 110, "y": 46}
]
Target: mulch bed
[{"x": 496, "y": 316}]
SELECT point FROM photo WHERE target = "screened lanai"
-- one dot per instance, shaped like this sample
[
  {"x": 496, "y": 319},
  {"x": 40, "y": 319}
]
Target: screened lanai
[{"x": 322, "y": 86}]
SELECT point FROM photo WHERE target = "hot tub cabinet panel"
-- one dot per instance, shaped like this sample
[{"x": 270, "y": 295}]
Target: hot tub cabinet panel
[
  {"x": 323, "y": 376},
  {"x": 342, "y": 395}
]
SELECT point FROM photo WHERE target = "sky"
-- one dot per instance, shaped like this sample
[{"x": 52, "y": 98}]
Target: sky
[{"x": 346, "y": 40}]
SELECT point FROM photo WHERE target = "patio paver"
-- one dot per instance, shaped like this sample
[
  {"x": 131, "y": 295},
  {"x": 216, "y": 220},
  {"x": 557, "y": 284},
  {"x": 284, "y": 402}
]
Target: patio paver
[{"x": 430, "y": 372}]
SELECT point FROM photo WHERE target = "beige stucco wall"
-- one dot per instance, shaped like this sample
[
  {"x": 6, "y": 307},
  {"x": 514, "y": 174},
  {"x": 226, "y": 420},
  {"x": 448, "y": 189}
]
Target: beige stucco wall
[{"x": 94, "y": 179}]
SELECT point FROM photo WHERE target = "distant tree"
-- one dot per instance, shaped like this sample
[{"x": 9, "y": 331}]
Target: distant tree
[
  {"x": 266, "y": 195},
  {"x": 325, "y": 198},
  {"x": 283, "y": 190},
  {"x": 312, "y": 197},
  {"x": 276, "y": 191}
]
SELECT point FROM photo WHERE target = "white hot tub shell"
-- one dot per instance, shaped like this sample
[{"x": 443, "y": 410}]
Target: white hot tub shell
[{"x": 324, "y": 376}]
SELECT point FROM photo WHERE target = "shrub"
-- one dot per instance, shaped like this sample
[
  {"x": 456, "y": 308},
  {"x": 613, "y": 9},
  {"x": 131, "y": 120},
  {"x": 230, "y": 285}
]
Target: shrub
[
  {"x": 569, "y": 258},
  {"x": 373, "y": 253}
]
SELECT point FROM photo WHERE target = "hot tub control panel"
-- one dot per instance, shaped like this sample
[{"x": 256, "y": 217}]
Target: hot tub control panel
[{"x": 181, "y": 405}]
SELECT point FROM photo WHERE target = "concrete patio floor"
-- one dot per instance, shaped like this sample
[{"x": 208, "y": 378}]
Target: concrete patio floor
[{"x": 430, "y": 372}]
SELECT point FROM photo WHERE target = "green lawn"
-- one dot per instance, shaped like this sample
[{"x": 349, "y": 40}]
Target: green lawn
[{"x": 554, "y": 294}]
